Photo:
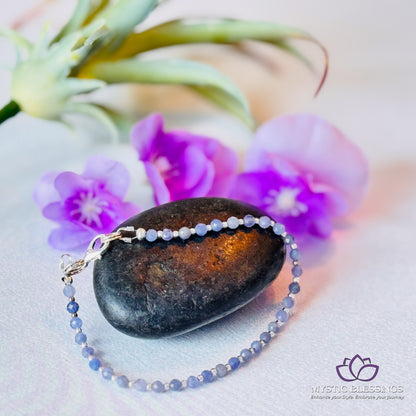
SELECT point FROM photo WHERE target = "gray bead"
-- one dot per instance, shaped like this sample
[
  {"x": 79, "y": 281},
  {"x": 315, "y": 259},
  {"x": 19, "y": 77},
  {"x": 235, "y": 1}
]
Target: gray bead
[{"x": 221, "y": 370}]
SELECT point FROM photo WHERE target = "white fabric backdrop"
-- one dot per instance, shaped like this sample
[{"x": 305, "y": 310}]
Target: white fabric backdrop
[{"x": 357, "y": 297}]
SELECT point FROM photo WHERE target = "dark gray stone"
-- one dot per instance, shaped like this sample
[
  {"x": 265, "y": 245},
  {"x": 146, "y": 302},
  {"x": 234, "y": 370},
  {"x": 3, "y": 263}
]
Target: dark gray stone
[{"x": 162, "y": 289}]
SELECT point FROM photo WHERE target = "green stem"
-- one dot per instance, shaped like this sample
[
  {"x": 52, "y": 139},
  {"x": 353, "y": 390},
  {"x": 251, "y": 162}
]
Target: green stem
[{"x": 9, "y": 111}]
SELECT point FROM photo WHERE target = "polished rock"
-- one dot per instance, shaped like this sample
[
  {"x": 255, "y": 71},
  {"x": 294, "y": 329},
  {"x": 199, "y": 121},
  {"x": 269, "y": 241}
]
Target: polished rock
[{"x": 165, "y": 288}]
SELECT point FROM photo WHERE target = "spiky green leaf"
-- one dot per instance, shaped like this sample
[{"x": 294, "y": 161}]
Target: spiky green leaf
[
  {"x": 220, "y": 31},
  {"x": 81, "y": 12},
  {"x": 202, "y": 78}
]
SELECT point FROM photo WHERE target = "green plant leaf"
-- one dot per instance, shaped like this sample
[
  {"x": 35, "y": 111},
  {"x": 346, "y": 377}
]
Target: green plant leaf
[
  {"x": 81, "y": 12},
  {"x": 16, "y": 38},
  {"x": 122, "y": 17},
  {"x": 96, "y": 112},
  {"x": 119, "y": 18},
  {"x": 94, "y": 11},
  {"x": 225, "y": 102},
  {"x": 124, "y": 123},
  {"x": 202, "y": 78},
  {"x": 20, "y": 42},
  {"x": 220, "y": 31}
]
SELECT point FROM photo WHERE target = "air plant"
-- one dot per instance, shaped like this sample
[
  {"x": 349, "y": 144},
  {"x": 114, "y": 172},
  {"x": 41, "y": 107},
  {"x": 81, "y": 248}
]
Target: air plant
[{"x": 99, "y": 46}]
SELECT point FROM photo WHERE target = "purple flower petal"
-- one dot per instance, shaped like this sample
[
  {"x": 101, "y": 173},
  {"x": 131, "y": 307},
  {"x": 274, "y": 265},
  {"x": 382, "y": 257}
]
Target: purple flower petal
[
  {"x": 45, "y": 191},
  {"x": 252, "y": 187},
  {"x": 367, "y": 372},
  {"x": 128, "y": 209},
  {"x": 312, "y": 147},
  {"x": 203, "y": 186},
  {"x": 144, "y": 134},
  {"x": 192, "y": 174},
  {"x": 112, "y": 174},
  {"x": 288, "y": 200},
  {"x": 303, "y": 172},
  {"x": 321, "y": 226},
  {"x": 69, "y": 183},
  {"x": 56, "y": 212},
  {"x": 70, "y": 237},
  {"x": 180, "y": 164},
  {"x": 161, "y": 191},
  {"x": 85, "y": 205},
  {"x": 193, "y": 161},
  {"x": 226, "y": 163}
]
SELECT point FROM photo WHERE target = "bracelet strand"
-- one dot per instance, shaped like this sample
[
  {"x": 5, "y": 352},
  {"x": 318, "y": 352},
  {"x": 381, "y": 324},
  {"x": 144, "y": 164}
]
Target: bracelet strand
[{"x": 220, "y": 370}]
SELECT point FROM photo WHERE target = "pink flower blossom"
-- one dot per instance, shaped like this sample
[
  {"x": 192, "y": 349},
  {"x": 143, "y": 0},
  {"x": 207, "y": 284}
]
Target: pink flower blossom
[
  {"x": 84, "y": 205},
  {"x": 303, "y": 171},
  {"x": 180, "y": 164}
]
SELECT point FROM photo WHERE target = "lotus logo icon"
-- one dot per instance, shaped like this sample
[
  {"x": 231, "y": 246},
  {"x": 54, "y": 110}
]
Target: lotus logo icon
[{"x": 357, "y": 368}]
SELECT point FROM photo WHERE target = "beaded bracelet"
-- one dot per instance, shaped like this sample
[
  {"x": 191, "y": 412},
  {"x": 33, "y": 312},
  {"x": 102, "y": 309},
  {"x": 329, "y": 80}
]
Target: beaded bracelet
[{"x": 100, "y": 244}]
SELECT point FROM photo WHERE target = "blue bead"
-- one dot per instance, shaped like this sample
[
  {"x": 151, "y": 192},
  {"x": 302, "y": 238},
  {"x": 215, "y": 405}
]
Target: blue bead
[
  {"x": 294, "y": 288},
  {"x": 69, "y": 291},
  {"x": 281, "y": 315},
  {"x": 122, "y": 381},
  {"x": 80, "y": 338},
  {"x": 167, "y": 234},
  {"x": 249, "y": 220},
  {"x": 273, "y": 327},
  {"x": 151, "y": 235},
  {"x": 193, "y": 382},
  {"x": 175, "y": 385},
  {"x": 201, "y": 229},
  {"x": 184, "y": 233},
  {"x": 221, "y": 370},
  {"x": 207, "y": 376},
  {"x": 216, "y": 225},
  {"x": 246, "y": 354},
  {"x": 278, "y": 229},
  {"x": 72, "y": 307},
  {"x": 140, "y": 384},
  {"x": 158, "y": 387},
  {"x": 289, "y": 239},
  {"x": 233, "y": 223},
  {"x": 295, "y": 254},
  {"x": 95, "y": 364},
  {"x": 107, "y": 373},
  {"x": 75, "y": 323},
  {"x": 297, "y": 271},
  {"x": 234, "y": 363},
  {"x": 288, "y": 302},
  {"x": 257, "y": 347},
  {"x": 264, "y": 221},
  {"x": 87, "y": 351},
  {"x": 265, "y": 337}
]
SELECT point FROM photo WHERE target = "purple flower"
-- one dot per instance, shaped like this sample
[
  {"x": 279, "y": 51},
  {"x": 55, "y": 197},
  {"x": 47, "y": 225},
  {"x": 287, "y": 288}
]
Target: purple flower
[
  {"x": 180, "y": 164},
  {"x": 303, "y": 171},
  {"x": 357, "y": 368},
  {"x": 84, "y": 205}
]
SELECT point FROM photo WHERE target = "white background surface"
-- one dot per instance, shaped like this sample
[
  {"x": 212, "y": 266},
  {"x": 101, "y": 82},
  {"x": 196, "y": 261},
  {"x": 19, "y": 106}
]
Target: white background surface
[{"x": 358, "y": 292}]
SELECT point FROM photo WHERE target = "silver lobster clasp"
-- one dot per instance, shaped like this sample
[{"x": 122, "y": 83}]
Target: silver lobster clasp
[
  {"x": 95, "y": 250},
  {"x": 98, "y": 246}
]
